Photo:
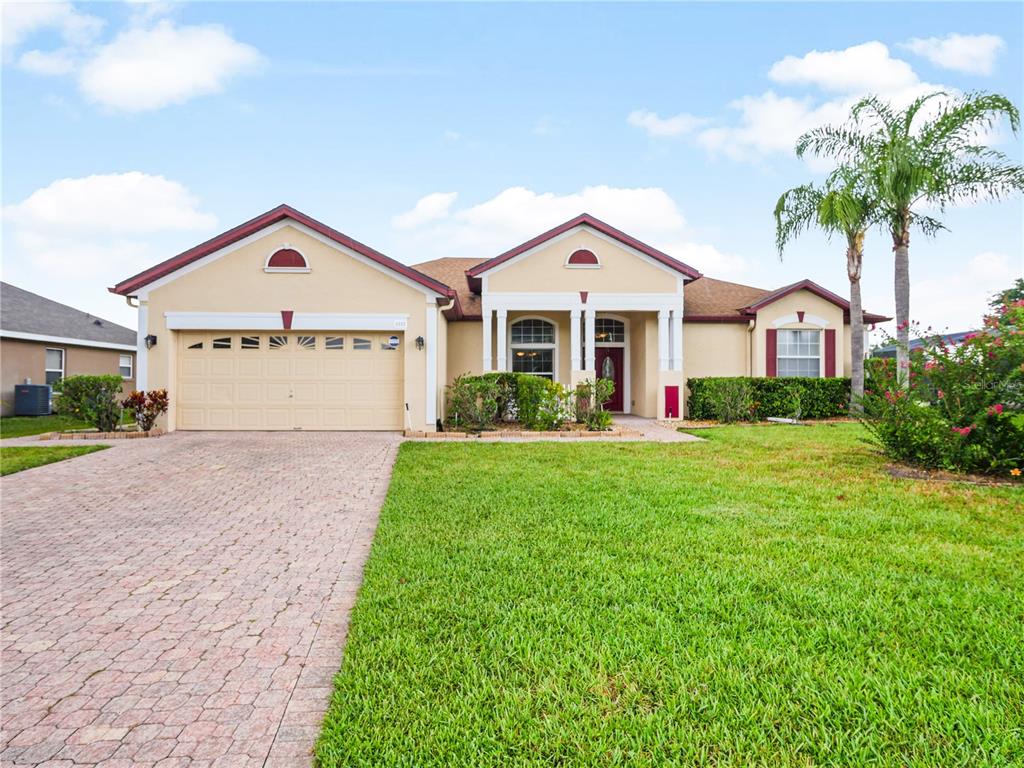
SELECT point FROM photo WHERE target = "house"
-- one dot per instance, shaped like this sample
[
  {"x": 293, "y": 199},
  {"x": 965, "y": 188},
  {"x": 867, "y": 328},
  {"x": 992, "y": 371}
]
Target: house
[
  {"x": 286, "y": 323},
  {"x": 44, "y": 341}
]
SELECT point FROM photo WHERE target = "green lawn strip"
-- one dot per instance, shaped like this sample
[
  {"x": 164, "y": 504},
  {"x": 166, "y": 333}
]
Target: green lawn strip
[
  {"x": 22, "y": 426},
  {"x": 768, "y": 597},
  {"x": 16, "y": 458}
]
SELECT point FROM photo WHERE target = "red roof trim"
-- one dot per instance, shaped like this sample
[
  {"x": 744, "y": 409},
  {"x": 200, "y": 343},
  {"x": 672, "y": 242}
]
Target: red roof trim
[
  {"x": 715, "y": 318},
  {"x": 134, "y": 283},
  {"x": 600, "y": 226},
  {"x": 817, "y": 290}
]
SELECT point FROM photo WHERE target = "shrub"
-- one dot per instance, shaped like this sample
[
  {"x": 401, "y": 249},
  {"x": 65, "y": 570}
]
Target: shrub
[
  {"x": 732, "y": 400},
  {"x": 799, "y": 397},
  {"x": 958, "y": 407},
  {"x": 146, "y": 406},
  {"x": 474, "y": 402},
  {"x": 590, "y": 399},
  {"x": 478, "y": 402},
  {"x": 93, "y": 399}
]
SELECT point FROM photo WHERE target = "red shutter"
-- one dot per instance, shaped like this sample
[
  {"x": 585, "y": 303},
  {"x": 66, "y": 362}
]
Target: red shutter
[
  {"x": 770, "y": 354},
  {"x": 830, "y": 351}
]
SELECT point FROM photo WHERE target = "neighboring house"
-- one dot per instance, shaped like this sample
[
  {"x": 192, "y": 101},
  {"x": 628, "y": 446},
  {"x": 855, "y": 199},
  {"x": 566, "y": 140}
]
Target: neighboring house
[
  {"x": 285, "y": 323},
  {"x": 952, "y": 339},
  {"x": 44, "y": 341}
]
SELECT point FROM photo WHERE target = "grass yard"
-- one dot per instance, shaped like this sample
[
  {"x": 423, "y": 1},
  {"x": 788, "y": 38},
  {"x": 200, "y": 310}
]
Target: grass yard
[
  {"x": 768, "y": 597},
  {"x": 17, "y": 458},
  {"x": 22, "y": 426}
]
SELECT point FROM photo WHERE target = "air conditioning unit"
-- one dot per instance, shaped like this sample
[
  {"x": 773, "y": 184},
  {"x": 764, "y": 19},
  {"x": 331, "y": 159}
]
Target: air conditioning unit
[{"x": 31, "y": 399}]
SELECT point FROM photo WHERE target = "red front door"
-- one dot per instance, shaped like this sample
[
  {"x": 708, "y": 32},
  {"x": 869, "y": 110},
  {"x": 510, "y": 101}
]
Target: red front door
[{"x": 610, "y": 366}]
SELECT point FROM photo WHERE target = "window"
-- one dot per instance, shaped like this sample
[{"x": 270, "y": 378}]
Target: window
[
  {"x": 334, "y": 342},
  {"x": 54, "y": 365},
  {"x": 609, "y": 331},
  {"x": 250, "y": 342},
  {"x": 361, "y": 344},
  {"x": 224, "y": 342},
  {"x": 278, "y": 342},
  {"x": 307, "y": 342},
  {"x": 583, "y": 258},
  {"x": 533, "y": 348},
  {"x": 197, "y": 345},
  {"x": 799, "y": 353},
  {"x": 125, "y": 366}
]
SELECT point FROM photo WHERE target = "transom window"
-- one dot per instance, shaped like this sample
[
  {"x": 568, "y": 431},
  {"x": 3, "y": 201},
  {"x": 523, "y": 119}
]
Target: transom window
[
  {"x": 124, "y": 365},
  {"x": 609, "y": 331},
  {"x": 798, "y": 353},
  {"x": 278, "y": 342},
  {"x": 54, "y": 365},
  {"x": 307, "y": 342},
  {"x": 532, "y": 346}
]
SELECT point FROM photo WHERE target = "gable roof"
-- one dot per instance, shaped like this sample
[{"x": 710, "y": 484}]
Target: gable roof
[
  {"x": 24, "y": 312},
  {"x": 585, "y": 219},
  {"x": 718, "y": 300},
  {"x": 817, "y": 290},
  {"x": 451, "y": 270},
  {"x": 251, "y": 227}
]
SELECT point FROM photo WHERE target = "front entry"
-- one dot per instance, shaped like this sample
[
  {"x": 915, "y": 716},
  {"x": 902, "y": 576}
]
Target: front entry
[{"x": 610, "y": 365}]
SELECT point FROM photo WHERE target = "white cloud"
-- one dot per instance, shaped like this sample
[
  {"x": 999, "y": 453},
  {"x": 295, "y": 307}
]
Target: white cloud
[
  {"x": 516, "y": 214},
  {"x": 75, "y": 226},
  {"x": 867, "y": 67},
  {"x": 146, "y": 69},
  {"x": 21, "y": 20},
  {"x": 665, "y": 126},
  {"x": 429, "y": 208},
  {"x": 973, "y": 54},
  {"x": 58, "y": 62}
]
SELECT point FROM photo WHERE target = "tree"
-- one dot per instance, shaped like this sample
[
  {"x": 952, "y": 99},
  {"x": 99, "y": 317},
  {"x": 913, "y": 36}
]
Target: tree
[
  {"x": 910, "y": 160},
  {"x": 844, "y": 207},
  {"x": 1002, "y": 302}
]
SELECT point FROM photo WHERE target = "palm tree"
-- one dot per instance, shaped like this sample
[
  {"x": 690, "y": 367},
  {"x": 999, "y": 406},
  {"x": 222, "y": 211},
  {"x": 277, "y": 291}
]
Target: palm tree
[
  {"x": 910, "y": 160},
  {"x": 843, "y": 207}
]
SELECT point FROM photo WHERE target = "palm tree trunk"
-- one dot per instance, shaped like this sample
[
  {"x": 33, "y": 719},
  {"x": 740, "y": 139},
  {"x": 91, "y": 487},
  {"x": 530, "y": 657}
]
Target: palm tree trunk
[
  {"x": 854, "y": 261},
  {"x": 901, "y": 243}
]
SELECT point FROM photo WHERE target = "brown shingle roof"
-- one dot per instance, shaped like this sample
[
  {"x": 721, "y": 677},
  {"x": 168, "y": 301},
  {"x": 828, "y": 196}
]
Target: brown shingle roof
[
  {"x": 452, "y": 272},
  {"x": 707, "y": 297}
]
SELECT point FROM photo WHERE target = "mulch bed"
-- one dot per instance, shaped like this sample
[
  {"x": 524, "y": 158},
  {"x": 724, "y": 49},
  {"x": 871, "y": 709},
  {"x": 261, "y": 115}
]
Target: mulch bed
[
  {"x": 906, "y": 472},
  {"x": 92, "y": 435}
]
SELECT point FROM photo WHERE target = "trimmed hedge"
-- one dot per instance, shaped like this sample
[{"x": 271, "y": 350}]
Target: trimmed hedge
[{"x": 813, "y": 398}]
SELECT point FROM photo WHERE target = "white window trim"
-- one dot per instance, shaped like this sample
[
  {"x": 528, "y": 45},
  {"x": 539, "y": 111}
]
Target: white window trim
[
  {"x": 554, "y": 347},
  {"x": 63, "y": 363},
  {"x": 627, "y": 394},
  {"x": 821, "y": 352},
  {"x": 293, "y": 270},
  {"x": 131, "y": 366},
  {"x": 597, "y": 256}
]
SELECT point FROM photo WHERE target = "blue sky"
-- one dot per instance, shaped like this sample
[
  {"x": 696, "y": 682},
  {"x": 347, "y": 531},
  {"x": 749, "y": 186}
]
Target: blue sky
[{"x": 133, "y": 131}]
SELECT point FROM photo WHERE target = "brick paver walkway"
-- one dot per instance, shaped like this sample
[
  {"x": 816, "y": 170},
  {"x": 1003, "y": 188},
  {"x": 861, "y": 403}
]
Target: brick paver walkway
[{"x": 183, "y": 601}]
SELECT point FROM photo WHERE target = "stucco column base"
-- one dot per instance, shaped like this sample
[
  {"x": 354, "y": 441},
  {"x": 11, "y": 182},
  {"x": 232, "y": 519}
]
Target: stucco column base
[
  {"x": 669, "y": 379},
  {"x": 578, "y": 377}
]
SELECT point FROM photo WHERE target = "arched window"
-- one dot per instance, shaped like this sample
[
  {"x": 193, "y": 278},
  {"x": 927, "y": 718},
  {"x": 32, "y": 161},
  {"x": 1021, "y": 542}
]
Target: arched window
[
  {"x": 583, "y": 258},
  {"x": 286, "y": 259},
  {"x": 533, "y": 347}
]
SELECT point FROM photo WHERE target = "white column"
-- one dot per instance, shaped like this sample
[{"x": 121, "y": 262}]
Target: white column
[
  {"x": 431, "y": 350},
  {"x": 502, "y": 352},
  {"x": 677, "y": 339},
  {"x": 663, "y": 355},
  {"x": 487, "y": 357},
  {"x": 589, "y": 317},
  {"x": 141, "y": 353},
  {"x": 574, "y": 339}
]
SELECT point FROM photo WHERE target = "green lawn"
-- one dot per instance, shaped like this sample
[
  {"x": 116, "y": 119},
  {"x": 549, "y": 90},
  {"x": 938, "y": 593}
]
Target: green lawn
[
  {"x": 15, "y": 459},
  {"x": 20, "y": 426},
  {"x": 768, "y": 597}
]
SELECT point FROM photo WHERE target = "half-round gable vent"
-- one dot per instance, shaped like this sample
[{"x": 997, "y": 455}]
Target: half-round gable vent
[
  {"x": 287, "y": 258},
  {"x": 583, "y": 257}
]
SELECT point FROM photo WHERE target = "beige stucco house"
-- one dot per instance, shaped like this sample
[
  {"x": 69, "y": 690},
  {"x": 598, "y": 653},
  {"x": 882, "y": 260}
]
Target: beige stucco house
[{"x": 286, "y": 323}]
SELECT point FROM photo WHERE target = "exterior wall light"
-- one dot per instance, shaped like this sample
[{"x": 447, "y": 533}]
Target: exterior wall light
[
  {"x": 419, "y": 342},
  {"x": 150, "y": 341}
]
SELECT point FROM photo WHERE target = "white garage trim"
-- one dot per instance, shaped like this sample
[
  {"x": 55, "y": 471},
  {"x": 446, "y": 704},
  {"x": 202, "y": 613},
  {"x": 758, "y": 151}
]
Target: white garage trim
[
  {"x": 141, "y": 350},
  {"x": 272, "y": 321}
]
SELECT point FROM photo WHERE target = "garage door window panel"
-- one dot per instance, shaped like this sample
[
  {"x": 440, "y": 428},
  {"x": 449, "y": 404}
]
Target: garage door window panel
[
  {"x": 334, "y": 342},
  {"x": 278, "y": 342},
  {"x": 222, "y": 342},
  {"x": 250, "y": 342},
  {"x": 306, "y": 342}
]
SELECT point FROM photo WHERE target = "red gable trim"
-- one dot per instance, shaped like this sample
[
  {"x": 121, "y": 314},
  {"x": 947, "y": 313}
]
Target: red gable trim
[
  {"x": 251, "y": 227},
  {"x": 817, "y": 290},
  {"x": 599, "y": 226}
]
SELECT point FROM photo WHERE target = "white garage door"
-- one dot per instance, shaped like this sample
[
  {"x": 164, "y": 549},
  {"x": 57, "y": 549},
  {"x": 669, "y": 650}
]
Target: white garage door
[{"x": 287, "y": 380}]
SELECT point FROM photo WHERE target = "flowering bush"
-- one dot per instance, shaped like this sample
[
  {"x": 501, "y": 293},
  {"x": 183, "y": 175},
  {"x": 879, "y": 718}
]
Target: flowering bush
[
  {"x": 958, "y": 407},
  {"x": 90, "y": 398},
  {"x": 146, "y": 406}
]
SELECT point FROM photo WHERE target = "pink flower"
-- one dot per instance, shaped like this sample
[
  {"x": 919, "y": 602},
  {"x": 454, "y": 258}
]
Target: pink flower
[
  {"x": 963, "y": 431},
  {"x": 941, "y": 394},
  {"x": 995, "y": 410}
]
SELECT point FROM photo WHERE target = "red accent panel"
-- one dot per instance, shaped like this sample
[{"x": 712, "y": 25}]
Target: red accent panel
[
  {"x": 583, "y": 296},
  {"x": 671, "y": 402},
  {"x": 583, "y": 256},
  {"x": 287, "y": 258},
  {"x": 799, "y": 315},
  {"x": 830, "y": 351},
  {"x": 286, "y": 318},
  {"x": 771, "y": 353}
]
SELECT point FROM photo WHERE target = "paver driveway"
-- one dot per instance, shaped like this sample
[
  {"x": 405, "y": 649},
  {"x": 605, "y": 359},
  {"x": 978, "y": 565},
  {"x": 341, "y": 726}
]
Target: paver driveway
[{"x": 183, "y": 600}]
